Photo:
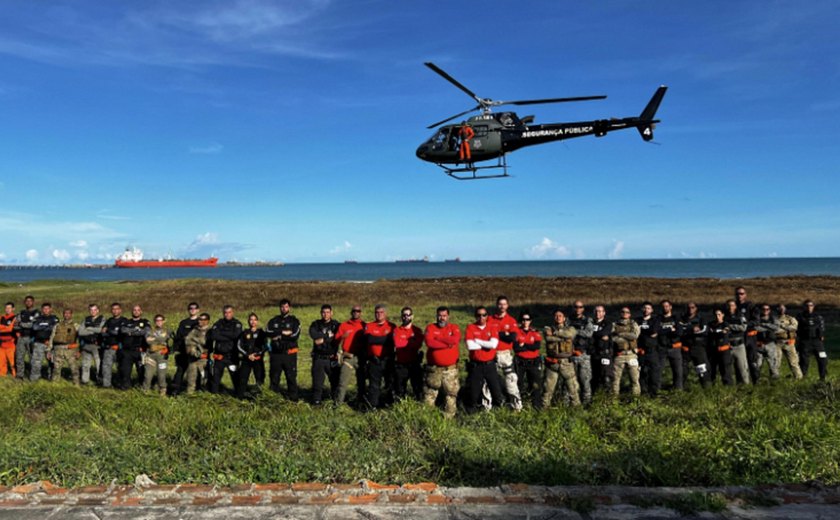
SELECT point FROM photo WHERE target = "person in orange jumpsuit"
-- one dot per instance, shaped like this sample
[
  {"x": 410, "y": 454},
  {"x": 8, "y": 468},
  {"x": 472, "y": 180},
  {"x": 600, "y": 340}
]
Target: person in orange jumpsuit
[
  {"x": 465, "y": 133},
  {"x": 8, "y": 337}
]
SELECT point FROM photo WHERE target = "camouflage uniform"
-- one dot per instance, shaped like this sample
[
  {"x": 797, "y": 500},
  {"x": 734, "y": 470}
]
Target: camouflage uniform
[
  {"x": 786, "y": 339},
  {"x": 156, "y": 358},
  {"x": 558, "y": 363},
  {"x": 65, "y": 350},
  {"x": 441, "y": 378},
  {"x": 766, "y": 346},
  {"x": 90, "y": 341},
  {"x": 196, "y": 349},
  {"x": 582, "y": 359},
  {"x": 624, "y": 335}
]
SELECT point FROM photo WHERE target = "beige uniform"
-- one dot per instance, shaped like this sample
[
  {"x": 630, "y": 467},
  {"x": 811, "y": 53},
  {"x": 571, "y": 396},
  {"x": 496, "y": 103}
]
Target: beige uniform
[
  {"x": 155, "y": 361},
  {"x": 624, "y": 336},
  {"x": 786, "y": 343},
  {"x": 65, "y": 350},
  {"x": 196, "y": 349},
  {"x": 558, "y": 364}
]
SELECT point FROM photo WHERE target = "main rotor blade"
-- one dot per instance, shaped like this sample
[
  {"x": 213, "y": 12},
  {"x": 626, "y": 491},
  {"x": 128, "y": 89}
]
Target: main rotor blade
[
  {"x": 456, "y": 116},
  {"x": 452, "y": 80},
  {"x": 552, "y": 100}
]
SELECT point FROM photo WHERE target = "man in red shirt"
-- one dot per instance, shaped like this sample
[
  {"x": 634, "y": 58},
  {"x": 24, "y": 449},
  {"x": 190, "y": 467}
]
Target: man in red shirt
[
  {"x": 408, "y": 340},
  {"x": 352, "y": 355},
  {"x": 380, "y": 353},
  {"x": 507, "y": 330},
  {"x": 527, "y": 361},
  {"x": 482, "y": 342},
  {"x": 442, "y": 342}
]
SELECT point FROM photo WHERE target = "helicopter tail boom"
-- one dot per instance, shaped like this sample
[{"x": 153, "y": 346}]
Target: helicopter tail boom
[{"x": 647, "y": 116}]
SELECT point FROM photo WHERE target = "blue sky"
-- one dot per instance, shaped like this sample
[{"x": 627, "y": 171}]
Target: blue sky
[{"x": 286, "y": 130}]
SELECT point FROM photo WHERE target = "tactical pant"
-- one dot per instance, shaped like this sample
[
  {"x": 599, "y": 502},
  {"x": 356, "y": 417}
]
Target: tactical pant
[
  {"x": 39, "y": 353},
  {"x": 722, "y": 362},
  {"x": 182, "y": 362},
  {"x": 106, "y": 370},
  {"x": 7, "y": 359},
  {"x": 65, "y": 357},
  {"x": 283, "y": 364},
  {"x": 504, "y": 360},
  {"x": 529, "y": 377},
  {"x": 583, "y": 371},
  {"x": 603, "y": 371},
  {"x": 626, "y": 359},
  {"x": 90, "y": 356},
  {"x": 674, "y": 357},
  {"x": 483, "y": 376},
  {"x": 22, "y": 351},
  {"x": 751, "y": 349},
  {"x": 565, "y": 369},
  {"x": 245, "y": 368},
  {"x": 650, "y": 372},
  {"x": 808, "y": 347},
  {"x": 377, "y": 369},
  {"x": 405, "y": 373},
  {"x": 442, "y": 378},
  {"x": 129, "y": 359},
  {"x": 768, "y": 352},
  {"x": 219, "y": 367},
  {"x": 696, "y": 356},
  {"x": 195, "y": 369},
  {"x": 156, "y": 365},
  {"x": 742, "y": 366},
  {"x": 323, "y": 368},
  {"x": 351, "y": 367},
  {"x": 788, "y": 351}
]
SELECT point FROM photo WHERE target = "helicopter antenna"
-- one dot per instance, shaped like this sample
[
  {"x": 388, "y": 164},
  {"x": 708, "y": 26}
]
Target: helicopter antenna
[{"x": 485, "y": 104}]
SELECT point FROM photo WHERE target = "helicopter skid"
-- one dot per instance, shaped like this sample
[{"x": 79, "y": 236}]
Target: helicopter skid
[{"x": 470, "y": 172}]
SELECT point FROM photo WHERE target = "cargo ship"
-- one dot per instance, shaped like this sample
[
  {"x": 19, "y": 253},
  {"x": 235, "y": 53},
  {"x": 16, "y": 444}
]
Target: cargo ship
[
  {"x": 424, "y": 260},
  {"x": 133, "y": 257}
]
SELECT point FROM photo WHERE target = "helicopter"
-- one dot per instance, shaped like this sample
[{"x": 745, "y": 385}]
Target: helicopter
[{"x": 456, "y": 148}]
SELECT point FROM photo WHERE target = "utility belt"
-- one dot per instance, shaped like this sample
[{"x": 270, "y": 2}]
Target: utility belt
[
  {"x": 68, "y": 346},
  {"x": 279, "y": 348},
  {"x": 625, "y": 353},
  {"x": 322, "y": 356},
  {"x": 483, "y": 362},
  {"x": 528, "y": 361},
  {"x": 679, "y": 345},
  {"x": 791, "y": 342},
  {"x": 751, "y": 333},
  {"x": 432, "y": 368},
  {"x": 724, "y": 348}
]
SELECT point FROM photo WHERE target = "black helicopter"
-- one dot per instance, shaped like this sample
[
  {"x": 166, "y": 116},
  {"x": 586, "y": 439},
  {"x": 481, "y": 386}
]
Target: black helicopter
[{"x": 493, "y": 135}]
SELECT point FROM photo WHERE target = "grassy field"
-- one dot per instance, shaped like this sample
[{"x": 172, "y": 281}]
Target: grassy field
[{"x": 785, "y": 432}]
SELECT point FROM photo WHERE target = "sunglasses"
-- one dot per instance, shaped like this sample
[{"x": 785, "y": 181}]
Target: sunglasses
[
  {"x": 481, "y": 315},
  {"x": 578, "y": 306}
]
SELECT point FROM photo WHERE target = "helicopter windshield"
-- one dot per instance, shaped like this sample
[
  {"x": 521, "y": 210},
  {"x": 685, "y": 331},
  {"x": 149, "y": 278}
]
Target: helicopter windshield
[{"x": 443, "y": 139}]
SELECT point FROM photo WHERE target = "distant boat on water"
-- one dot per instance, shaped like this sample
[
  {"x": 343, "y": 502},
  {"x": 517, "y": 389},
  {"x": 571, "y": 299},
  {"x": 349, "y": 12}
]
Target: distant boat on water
[
  {"x": 453, "y": 260},
  {"x": 351, "y": 261},
  {"x": 133, "y": 257},
  {"x": 424, "y": 260}
]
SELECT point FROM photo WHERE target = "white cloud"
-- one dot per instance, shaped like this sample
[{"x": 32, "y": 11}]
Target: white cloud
[
  {"x": 37, "y": 227},
  {"x": 548, "y": 248},
  {"x": 343, "y": 248},
  {"x": 62, "y": 255},
  {"x": 209, "y": 244},
  {"x": 211, "y": 149},
  {"x": 617, "y": 250},
  {"x": 32, "y": 255},
  {"x": 79, "y": 243},
  {"x": 82, "y": 254},
  {"x": 2, "y": 256}
]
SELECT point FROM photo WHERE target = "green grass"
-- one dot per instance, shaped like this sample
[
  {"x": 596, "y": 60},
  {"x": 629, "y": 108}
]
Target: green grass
[{"x": 787, "y": 432}]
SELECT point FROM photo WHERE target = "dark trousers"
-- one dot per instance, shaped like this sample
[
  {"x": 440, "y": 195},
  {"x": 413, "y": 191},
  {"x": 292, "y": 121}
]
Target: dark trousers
[
  {"x": 477, "y": 375},
  {"x": 529, "y": 379},
  {"x": 812, "y": 347},
  {"x": 182, "y": 361},
  {"x": 324, "y": 368},
  {"x": 245, "y": 368},
  {"x": 751, "y": 344},
  {"x": 219, "y": 368},
  {"x": 405, "y": 373},
  {"x": 696, "y": 355},
  {"x": 674, "y": 357},
  {"x": 721, "y": 362},
  {"x": 651, "y": 372},
  {"x": 377, "y": 370},
  {"x": 128, "y": 359},
  {"x": 602, "y": 371},
  {"x": 283, "y": 364}
]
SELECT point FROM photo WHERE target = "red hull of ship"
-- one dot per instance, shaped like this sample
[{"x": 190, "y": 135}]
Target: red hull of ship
[{"x": 209, "y": 262}]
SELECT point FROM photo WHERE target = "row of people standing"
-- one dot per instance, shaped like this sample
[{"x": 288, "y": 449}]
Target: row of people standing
[{"x": 583, "y": 352}]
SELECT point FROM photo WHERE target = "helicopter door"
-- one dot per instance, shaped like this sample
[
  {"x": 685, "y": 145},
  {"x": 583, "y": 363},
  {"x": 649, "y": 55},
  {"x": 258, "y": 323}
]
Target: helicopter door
[{"x": 445, "y": 140}]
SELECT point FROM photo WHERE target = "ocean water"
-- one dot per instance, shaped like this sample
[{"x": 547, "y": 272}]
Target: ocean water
[{"x": 368, "y": 272}]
